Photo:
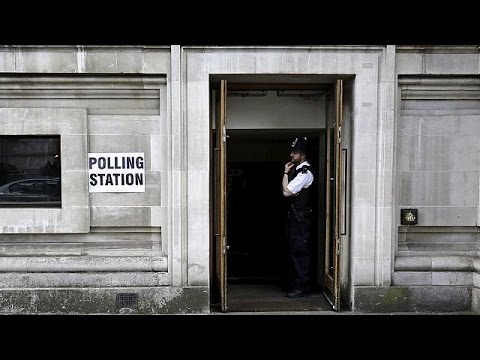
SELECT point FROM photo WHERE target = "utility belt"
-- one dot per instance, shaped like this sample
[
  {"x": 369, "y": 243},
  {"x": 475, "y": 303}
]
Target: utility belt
[{"x": 300, "y": 213}]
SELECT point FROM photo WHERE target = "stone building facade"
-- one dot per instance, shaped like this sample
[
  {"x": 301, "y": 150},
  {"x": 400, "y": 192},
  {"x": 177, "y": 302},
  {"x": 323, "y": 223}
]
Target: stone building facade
[{"x": 411, "y": 137}]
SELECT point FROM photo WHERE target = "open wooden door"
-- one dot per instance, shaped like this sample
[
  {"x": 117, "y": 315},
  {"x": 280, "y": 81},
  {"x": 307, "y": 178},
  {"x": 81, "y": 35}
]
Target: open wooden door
[
  {"x": 220, "y": 189},
  {"x": 333, "y": 197}
]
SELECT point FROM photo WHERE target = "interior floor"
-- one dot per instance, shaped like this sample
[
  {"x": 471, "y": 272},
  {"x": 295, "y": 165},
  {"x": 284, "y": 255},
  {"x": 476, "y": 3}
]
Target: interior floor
[{"x": 270, "y": 297}]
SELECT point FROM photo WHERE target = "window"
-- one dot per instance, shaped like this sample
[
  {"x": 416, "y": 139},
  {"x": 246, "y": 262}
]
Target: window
[{"x": 30, "y": 171}]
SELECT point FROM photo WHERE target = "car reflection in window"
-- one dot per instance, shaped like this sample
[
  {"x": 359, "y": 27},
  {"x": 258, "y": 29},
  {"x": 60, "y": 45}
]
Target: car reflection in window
[{"x": 35, "y": 191}]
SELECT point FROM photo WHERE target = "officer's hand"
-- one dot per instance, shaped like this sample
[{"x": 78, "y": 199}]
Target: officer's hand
[{"x": 288, "y": 166}]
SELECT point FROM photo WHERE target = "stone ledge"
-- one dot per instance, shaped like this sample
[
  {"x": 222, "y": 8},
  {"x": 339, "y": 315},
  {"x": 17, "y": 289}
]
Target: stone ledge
[
  {"x": 453, "y": 278},
  {"x": 442, "y": 49},
  {"x": 438, "y": 229},
  {"x": 82, "y": 279},
  {"x": 151, "y": 300},
  {"x": 434, "y": 263},
  {"x": 48, "y": 264}
]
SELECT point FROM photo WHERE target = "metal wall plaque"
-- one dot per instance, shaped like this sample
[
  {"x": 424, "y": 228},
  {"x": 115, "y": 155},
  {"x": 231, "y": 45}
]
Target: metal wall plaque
[{"x": 409, "y": 216}]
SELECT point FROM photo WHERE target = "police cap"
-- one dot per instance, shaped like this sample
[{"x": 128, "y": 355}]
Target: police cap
[{"x": 300, "y": 144}]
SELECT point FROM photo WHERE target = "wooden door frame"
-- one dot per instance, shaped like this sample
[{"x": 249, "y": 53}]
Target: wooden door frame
[
  {"x": 282, "y": 86},
  {"x": 332, "y": 282}
]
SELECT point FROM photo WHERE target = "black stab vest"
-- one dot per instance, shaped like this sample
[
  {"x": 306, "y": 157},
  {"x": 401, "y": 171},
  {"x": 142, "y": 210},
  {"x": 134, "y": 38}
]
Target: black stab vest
[{"x": 303, "y": 199}]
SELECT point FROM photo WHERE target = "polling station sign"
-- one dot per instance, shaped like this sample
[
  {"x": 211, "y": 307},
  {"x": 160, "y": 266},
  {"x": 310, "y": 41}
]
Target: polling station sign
[{"x": 116, "y": 172}]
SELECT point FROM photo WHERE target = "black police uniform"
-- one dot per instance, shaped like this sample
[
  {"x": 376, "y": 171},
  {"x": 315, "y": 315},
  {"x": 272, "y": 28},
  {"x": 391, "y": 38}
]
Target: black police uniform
[{"x": 299, "y": 223}]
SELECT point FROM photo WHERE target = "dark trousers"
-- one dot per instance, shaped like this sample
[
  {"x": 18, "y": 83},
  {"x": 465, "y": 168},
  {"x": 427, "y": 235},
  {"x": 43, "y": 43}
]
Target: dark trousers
[{"x": 298, "y": 236}]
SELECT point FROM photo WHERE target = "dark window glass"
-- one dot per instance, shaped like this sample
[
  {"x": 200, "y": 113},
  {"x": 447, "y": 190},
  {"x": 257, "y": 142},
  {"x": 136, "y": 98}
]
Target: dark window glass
[{"x": 30, "y": 171}]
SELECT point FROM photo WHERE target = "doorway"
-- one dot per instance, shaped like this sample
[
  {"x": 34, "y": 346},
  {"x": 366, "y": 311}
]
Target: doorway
[
  {"x": 249, "y": 270},
  {"x": 256, "y": 220}
]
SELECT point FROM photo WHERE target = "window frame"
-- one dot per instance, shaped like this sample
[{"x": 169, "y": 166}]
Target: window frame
[
  {"x": 74, "y": 214},
  {"x": 35, "y": 179}
]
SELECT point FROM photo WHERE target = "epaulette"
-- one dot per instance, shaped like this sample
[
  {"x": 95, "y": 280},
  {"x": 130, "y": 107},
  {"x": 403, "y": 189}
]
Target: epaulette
[{"x": 305, "y": 168}]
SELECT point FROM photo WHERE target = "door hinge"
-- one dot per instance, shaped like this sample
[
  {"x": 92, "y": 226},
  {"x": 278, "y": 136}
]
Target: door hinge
[
  {"x": 339, "y": 139},
  {"x": 337, "y": 247},
  {"x": 225, "y": 247}
]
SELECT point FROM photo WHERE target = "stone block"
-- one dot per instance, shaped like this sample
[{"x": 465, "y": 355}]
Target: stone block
[
  {"x": 198, "y": 271},
  {"x": 7, "y": 60},
  {"x": 452, "y": 263},
  {"x": 73, "y": 155},
  {"x": 74, "y": 188},
  {"x": 198, "y": 188},
  {"x": 476, "y": 300},
  {"x": 151, "y": 196},
  {"x": 198, "y": 108},
  {"x": 159, "y": 216},
  {"x": 447, "y": 216},
  {"x": 196, "y": 65},
  {"x": 363, "y": 232},
  {"x": 412, "y": 263},
  {"x": 412, "y": 278},
  {"x": 120, "y": 216},
  {"x": 161, "y": 153},
  {"x": 434, "y": 188},
  {"x": 420, "y": 153},
  {"x": 365, "y": 153},
  {"x": 476, "y": 280},
  {"x": 451, "y": 64},
  {"x": 114, "y": 60},
  {"x": 415, "y": 299},
  {"x": 121, "y": 143},
  {"x": 363, "y": 188},
  {"x": 40, "y": 60},
  {"x": 156, "y": 61},
  {"x": 452, "y": 278},
  {"x": 198, "y": 224},
  {"x": 408, "y": 63},
  {"x": 124, "y": 124},
  {"x": 363, "y": 273}
]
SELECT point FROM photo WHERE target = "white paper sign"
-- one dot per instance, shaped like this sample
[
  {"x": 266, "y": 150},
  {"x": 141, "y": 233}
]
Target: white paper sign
[{"x": 116, "y": 172}]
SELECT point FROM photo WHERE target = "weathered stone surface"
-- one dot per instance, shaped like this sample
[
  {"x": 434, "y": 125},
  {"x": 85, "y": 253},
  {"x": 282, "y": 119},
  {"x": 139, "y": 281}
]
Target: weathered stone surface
[
  {"x": 412, "y": 278},
  {"x": 438, "y": 142},
  {"x": 434, "y": 263},
  {"x": 412, "y": 299},
  {"x": 108, "y": 241},
  {"x": 73, "y": 217},
  {"x": 453, "y": 278},
  {"x": 82, "y": 280},
  {"x": 476, "y": 300},
  {"x": 409, "y": 63},
  {"x": 151, "y": 300},
  {"x": 124, "y": 124},
  {"x": 476, "y": 286},
  {"x": 451, "y": 63},
  {"x": 120, "y": 216},
  {"x": 81, "y": 264},
  {"x": 151, "y": 196}
]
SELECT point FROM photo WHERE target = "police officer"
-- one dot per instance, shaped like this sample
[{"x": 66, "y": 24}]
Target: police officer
[{"x": 296, "y": 188}]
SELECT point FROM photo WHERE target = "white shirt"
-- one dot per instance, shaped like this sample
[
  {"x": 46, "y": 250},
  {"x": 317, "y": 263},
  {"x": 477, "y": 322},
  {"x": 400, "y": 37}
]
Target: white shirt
[{"x": 302, "y": 180}]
